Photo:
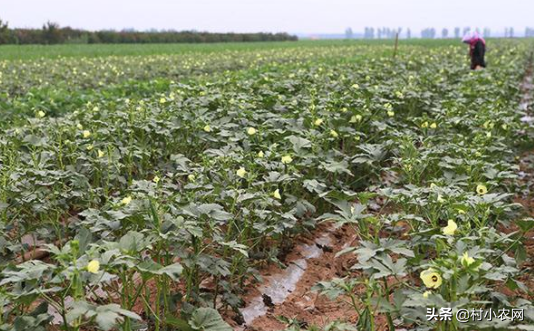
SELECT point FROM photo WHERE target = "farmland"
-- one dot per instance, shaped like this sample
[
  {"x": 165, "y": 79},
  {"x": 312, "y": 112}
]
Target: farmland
[{"x": 163, "y": 187}]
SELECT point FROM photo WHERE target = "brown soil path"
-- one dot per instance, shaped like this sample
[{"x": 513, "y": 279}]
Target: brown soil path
[{"x": 302, "y": 303}]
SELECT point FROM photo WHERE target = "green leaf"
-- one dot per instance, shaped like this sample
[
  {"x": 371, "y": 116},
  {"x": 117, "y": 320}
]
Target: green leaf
[
  {"x": 208, "y": 319},
  {"x": 179, "y": 323},
  {"x": 214, "y": 211},
  {"x": 237, "y": 247},
  {"x": 109, "y": 315},
  {"x": 133, "y": 242},
  {"x": 525, "y": 224},
  {"x": 173, "y": 271},
  {"x": 299, "y": 143}
]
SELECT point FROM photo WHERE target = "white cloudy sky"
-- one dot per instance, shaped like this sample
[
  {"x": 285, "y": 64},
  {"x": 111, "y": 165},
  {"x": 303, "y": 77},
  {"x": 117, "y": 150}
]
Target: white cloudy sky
[{"x": 295, "y": 16}]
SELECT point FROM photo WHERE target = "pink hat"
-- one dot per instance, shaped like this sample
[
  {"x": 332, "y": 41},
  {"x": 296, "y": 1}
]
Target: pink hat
[{"x": 472, "y": 37}]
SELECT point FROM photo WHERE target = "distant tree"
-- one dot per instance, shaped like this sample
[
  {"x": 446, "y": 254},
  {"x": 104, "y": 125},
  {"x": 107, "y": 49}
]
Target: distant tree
[
  {"x": 487, "y": 33},
  {"x": 428, "y": 33},
  {"x": 457, "y": 32},
  {"x": 5, "y": 33},
  {"x": 379, "y": 33},
  {"x": 511, "y": 32},
  {"x": 348, "y": 33},
  {"x": 408, "y": 33},
  {"x": 466, "y": 30},
  {"x": 444, "y": 33},
  {"x": 52, "y": 33},
  {"x": 367, "y": 33}
]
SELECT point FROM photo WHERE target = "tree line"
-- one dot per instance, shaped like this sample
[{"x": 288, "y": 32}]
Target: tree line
[
  {"x": 430, "y": 33},
  {"x": 52, "y": 33}
]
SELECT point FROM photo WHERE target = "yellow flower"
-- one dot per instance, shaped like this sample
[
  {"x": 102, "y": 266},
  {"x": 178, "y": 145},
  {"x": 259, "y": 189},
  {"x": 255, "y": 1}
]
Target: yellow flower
[
  {"x": 488, "y": 134},
  {"x": 426, "y": 294},
  {"x": 424, "y": 125},
  {"x": 334, "y": 134},
  {"x": 432, "y": 185},
  {"x": 318, "y": 122},
  {"x": 433, "y": 125},
  {"x": 431, "y": 278},
  {"x": 467, "y": 260},
  {"x": 41, "y": 114},
  {"x": 207, "y": 128},
  {"x": 399, "y": 94},
  {"x": 391, "y": 113},
  {"x": 191, "y": 178},
  {"x": 241, "y": 172},
  {"x": 286, "y": 159},
  {"x": 93, "y": 266},
  {"x": 482, "y": 189},
  {"x": 251, "y": 131},
  {"x": 260, "y": 154},
  {"x": 100, "y": 154},
  {"x": 504, "y": 127},
  {"x": 450, "y": 228},
  {"x": 276, "y": 194},
  {"x": 86, "y": 133},
  {"x": 355, "y": 86},
  {"x": 79, "y": 126},
  {"x": 90, "y": 147},
  {"x": 162, "y": 100},
  {"x": 156, "y": 179},
  {"x": 126, "y": 201},
  {"x": 356, "y": 118}
]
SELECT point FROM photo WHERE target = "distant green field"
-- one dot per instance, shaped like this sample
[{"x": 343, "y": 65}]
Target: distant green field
[{"x": 13, "y": 52}]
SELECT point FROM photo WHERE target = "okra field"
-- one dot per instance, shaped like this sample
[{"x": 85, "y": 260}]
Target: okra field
[{"x": 338, "y": 185}]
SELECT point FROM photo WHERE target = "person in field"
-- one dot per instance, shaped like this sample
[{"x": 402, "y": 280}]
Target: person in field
[{"x": 477, "y": 49}]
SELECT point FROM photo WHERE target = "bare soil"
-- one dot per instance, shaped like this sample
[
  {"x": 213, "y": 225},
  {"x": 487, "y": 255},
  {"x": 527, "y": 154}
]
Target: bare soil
[{"x": 303, "y": 304}]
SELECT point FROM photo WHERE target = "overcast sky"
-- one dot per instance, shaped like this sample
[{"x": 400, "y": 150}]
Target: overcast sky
[{"x": 294, "y": 16}]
